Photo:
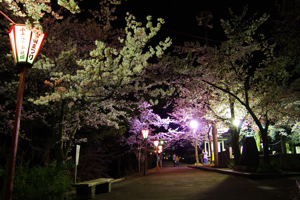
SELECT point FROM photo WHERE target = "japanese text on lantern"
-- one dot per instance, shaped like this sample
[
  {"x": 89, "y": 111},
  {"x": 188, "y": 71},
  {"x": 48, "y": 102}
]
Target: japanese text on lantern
[
  {"x": 23, "y": 41},
  {"x": 33, "y": 46}
]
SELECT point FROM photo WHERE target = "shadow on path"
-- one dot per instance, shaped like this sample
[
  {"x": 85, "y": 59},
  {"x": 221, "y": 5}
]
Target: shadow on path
[{"x": 184, "y": 183}]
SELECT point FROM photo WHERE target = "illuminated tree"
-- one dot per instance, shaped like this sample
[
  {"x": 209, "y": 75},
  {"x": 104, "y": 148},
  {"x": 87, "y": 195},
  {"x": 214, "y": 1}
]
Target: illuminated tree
[
  {"x": 37, "y": 9},
  {"x": 241, "y": 67},
  {"x": 67, "y": 40},
  {"x": 99, "y": 92},
  {"x": 287, "y": 50},
  {"x": 144, "y": 119}
]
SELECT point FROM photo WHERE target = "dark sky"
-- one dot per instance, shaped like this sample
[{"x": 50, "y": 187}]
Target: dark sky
[{"x": 180, "y": 15}]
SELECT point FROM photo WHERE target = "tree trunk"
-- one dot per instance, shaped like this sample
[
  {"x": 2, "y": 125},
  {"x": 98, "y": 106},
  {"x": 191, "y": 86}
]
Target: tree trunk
[
  {"x": 196, "y": 151},
  {"x": 139, "y": 161},
  {"x": 46, "y": 157},
  {"x": 235, "y": 138},
  {"x": 266, "y": 146},
  {"x": 283, "y": 144},
  {"x": 210, "y": 149},
  {"x": 235, "y": 134},
  {"x": 215, "y": 140},
  {"x": 119, "y": 166},
  {"x": 58, "y": 147}
]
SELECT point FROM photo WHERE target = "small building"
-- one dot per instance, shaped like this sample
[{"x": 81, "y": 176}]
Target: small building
[{"x": 210, "y": 149}]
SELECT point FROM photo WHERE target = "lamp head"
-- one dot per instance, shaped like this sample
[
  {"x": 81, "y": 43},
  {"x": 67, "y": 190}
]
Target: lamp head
[
  {"x": 145, "y": 133},
  {"x": 25, "y": 43},
  {"x": 194, "y": 124}
]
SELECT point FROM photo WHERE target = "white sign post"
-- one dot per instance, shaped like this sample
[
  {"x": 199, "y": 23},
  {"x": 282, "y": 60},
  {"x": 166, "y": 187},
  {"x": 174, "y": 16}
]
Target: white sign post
[
  {"x": 76, "y": 160},
  {"x": 77, "y": 154}
]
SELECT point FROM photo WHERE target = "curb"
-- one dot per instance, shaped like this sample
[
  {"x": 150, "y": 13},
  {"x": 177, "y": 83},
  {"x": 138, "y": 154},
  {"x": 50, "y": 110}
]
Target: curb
[
  {"x": 247, "y": 174},
  {"x": 133, "y": 175}
]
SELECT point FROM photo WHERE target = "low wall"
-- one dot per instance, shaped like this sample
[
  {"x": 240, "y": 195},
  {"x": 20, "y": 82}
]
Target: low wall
[{"x": 286, "y": 162}]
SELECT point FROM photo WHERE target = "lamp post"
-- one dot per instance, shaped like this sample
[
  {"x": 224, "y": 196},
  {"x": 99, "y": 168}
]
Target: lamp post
[
  {"x": 145, "y": 133},
  {"x": 160, "y": 149},
  {"x": 25, "y": 46},
  {"x": 156, "y": 145},
  {"x": 162, "y": 142},
  {"x": 194, "y": 126}
]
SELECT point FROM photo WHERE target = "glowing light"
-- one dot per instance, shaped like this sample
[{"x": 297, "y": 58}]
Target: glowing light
[
  {"x": 194, "y": 124},
  {"x": 155, "y": 143},
  {"x": 159, "y": 149},
  {"x": 25, "y": 43},
  {"x": 145, "y": 133},
  {"x": 236, "y": 122}
]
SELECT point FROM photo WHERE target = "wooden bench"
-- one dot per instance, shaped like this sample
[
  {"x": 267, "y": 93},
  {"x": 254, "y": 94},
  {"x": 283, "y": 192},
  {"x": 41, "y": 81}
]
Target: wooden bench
[{"x": 90, "y": 188}]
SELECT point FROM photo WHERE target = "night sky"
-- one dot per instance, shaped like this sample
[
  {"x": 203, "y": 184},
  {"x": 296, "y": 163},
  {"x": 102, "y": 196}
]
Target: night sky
[{"x": 180, "y": 15}]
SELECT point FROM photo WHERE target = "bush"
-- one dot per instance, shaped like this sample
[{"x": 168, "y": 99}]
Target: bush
[
  {"x": 41, "y": 183},
  {"x": 2, "y": 176},
  {"x": 268, "y": 168}
]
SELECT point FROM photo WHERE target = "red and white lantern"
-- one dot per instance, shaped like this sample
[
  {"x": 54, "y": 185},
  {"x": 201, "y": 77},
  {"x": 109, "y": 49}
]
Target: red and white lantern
[{"x": 25, "y": 43}]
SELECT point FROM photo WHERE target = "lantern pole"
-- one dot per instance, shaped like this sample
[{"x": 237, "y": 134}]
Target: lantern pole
[
  {"x": 15, "y": 135},
  {"x": 156, "y": 145},
  {"x": 145, "y": 155},
  {"x": 194, "y": 126},
  {"x": 21, "y": 41},
  {"x": 145, "y": 133},
  {"x": 7, "y": 17}
]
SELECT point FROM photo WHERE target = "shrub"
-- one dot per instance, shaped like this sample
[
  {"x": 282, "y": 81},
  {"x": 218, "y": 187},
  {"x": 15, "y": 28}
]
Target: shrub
[
  {"x": 2, "y": 176},
  {"x": 41, "y": 183},
  {"x": 268, "y": 168}
]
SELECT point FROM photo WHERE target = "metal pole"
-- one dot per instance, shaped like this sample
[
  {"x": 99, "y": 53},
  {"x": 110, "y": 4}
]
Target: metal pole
[
  {"x": 157, "y": 158},
  {"x": 15, "y": 135},
  {"x": 161, "y": 158},
  {"x": 145, "y": 157},
  {"x": 196, "y": 147},
  {"x": 75, "y": 174}
]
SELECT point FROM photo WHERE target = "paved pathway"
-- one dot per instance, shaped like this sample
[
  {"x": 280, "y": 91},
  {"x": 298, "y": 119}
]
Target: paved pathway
[{"x": 184, "y": 183}]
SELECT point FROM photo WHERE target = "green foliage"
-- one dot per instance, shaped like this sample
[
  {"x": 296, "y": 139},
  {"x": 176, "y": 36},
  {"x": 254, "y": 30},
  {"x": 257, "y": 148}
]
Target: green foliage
[
  {"x": 42, "y": 183},
  {"x": 230, "y": 163},
  {"x": 2, "y": 175}
]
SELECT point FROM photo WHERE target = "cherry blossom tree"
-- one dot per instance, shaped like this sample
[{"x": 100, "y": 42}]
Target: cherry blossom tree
[
  {"x": 284, "y": 34},
  {"x": 66, "y": 41},
  {"x": 145, "y": 118},
  {"x": 243, "y": 68},
  {"x": 98, "y": 92},
  {"x": 35, "y": 10}
]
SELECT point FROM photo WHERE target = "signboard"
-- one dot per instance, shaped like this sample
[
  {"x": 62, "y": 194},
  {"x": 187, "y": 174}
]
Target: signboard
[{"x": 77, "y": 154}]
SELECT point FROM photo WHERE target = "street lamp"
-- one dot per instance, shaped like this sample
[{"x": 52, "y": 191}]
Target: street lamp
[
  {"x": 145, "y": 133},
  {"x": 160, "y": 147},
  {"x": 194, "y": 126},
  {"x": 156, "y": 145},
  {"x": 162, "y": 142},
  {"x": 236, "y": 122},
  {"x": 25, "y": 46}
]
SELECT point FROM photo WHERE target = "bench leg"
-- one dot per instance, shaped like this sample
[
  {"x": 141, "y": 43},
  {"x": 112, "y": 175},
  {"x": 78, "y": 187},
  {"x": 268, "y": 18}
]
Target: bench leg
[
  {"x": 88, "y": 192},
  {"x": 103, "y": 188}
]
